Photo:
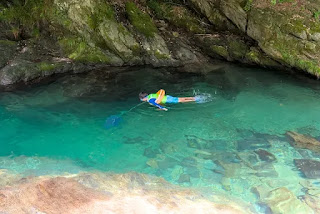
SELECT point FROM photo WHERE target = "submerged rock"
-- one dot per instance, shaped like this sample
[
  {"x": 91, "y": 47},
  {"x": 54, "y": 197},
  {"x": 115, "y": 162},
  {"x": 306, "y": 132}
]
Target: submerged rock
[
  {"x": 304, "y": 141},
  {"x": 310, "y": 168},
  {"x": 282, "y": 200},
  {"x": 265, "y": 155}
]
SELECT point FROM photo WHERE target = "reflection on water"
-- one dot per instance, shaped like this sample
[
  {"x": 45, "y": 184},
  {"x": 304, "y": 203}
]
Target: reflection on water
[{"x": 236, "y": 144}]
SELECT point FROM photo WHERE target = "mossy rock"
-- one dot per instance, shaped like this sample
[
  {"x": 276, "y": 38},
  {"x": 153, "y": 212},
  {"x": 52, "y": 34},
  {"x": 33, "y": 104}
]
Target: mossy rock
[
  {"x": 140, "y": 20},
  {"x": 79, "y": 50},
  {"x": 178, "y": 16}
]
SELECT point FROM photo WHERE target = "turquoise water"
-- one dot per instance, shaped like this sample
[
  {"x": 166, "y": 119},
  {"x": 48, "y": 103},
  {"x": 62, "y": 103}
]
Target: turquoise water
[{"x": 60, "y": 127}]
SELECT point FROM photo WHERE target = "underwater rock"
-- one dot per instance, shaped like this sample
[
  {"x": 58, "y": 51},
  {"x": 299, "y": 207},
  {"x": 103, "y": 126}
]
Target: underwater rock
[
  {"x": 184, "y": 178},
  {"x": 150, "y": 152},
  {"x": 88, "y": 193},
  {"x": 304, "y": 141},
  {"x": 167, "y": 163},
  {"x": 133, "y": 140},
  {"x": 253, "y": 143},
  {"x": 204, "y": 144},
  {"x": 282, "y": 200},
  {"x": 153, "y": 163},
  {"x": 168, "y": 148},
  {"x": 192, "y": 172},
  {"x": 310, "y": 168},
  {"x": 265, "y": 170},
  {"x": 188, "y": 161},
  {"x": 265, "y": 155},
  {"x": 313, "y": 202}
]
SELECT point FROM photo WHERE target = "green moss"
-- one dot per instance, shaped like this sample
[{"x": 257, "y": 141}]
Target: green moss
[
  {"x": 7, "y": 42},
  {"x": 315, "y": 27},
  {"x": 248, "y": 5},
  {"x": 140, "y": 20},
  {"x": 237, "y": 48},
  {"x": 44, "y": 66},
  {"x": 102, "y": 12},
  {"x": 220, "y": 50},
  {"x": 79, "y": 50},
  {"x": 26, "y": 15},
  {"x": 160, "y": 55},
  {"x": 177, "y": 15}
]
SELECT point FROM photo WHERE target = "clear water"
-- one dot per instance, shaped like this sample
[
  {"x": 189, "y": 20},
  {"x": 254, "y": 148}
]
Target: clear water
[{"x": 60, "y": 127}]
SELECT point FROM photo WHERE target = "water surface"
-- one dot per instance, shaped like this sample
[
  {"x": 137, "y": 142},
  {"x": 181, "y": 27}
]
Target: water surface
[{"x": 59, "y": 128}]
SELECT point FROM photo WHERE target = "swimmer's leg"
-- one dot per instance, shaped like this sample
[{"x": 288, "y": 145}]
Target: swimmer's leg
[{"x": 186, "y": 99}]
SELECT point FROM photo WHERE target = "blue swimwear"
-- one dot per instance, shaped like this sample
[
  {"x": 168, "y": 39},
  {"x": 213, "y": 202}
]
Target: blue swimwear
[{"x": 171, "y": 99}]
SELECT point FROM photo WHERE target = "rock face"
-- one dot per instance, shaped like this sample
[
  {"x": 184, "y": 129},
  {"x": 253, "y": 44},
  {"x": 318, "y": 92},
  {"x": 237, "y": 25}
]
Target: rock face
[
  {"x": 159, "y": 33},
  {"x": 106, "y": 193}
]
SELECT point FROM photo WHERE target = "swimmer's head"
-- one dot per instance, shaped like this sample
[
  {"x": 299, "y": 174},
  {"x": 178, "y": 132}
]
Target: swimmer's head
[{"x": 143, "y": 95}]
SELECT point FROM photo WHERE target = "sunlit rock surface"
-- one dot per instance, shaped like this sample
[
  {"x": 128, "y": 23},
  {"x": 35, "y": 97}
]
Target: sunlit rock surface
[{"x": 107, "y": 193}]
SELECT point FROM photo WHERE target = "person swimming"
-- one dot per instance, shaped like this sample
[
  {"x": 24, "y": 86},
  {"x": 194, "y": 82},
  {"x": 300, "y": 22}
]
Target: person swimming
[{"x": 161, "y": 98}]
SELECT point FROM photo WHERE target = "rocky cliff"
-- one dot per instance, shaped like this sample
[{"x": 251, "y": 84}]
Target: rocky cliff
[{"x": 39, "y": 38}]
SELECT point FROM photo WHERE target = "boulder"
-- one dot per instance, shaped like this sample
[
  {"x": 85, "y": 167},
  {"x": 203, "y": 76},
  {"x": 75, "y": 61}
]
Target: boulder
[
  {"x": 282, "y": 200},
  {"x": 304, "y": 141},
  {"x": 310, "y": 168}
]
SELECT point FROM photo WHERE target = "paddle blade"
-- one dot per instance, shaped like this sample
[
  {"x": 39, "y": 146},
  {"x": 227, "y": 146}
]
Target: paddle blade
[{"x": 112, "y": 121}]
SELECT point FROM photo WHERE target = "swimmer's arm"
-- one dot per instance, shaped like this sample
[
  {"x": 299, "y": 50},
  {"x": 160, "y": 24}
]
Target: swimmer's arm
[{"x": 153, "y": 102}]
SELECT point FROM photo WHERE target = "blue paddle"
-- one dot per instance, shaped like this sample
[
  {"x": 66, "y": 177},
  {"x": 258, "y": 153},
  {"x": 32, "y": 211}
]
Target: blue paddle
[{"x": 115, "y": 120}]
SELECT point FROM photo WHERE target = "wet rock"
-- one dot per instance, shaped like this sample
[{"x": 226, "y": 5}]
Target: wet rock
[
  {"x": 265, "y": 155},
  {"x": 153, "y": 163},
  {"x": 107, "y": 193},
  {"x": 310, "y": 168},
  {"x": 7, "y": 50},
  {"x": 150, "y": 152},
  {"x": 188, "y": 161},
  {"x": 282, "y": 200},
  {"x": 203, "y": 154},
  {"x": 313, "y": 202},
  {"x": 253, "y": 143},
  {"x": 304, "y": 141},
  {"x": 167, "y": 163},
  {"x": 204, "y": 144},
  {"x": 168, "y": 148},
  {"x": 227, "y": 157},
  {"x": 184, "y": 178},
  {"x": 193, "y": 172},
  {"x": 265, "y": 170},
  {"x": 134, "y": 140}
]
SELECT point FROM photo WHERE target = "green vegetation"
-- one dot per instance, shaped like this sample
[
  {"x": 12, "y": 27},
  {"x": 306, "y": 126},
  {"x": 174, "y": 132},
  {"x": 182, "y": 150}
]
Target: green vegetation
[
  {"x": 25, "y": 15},
  {"x": 177, "y": 15},
  {"x": 316, "y": 14},
  {"x": 248, "y": 5},
  {"x": 280, "y": 1},
  {"x": 102, "y": 12},
  {"x": 140, "y": 20},
  {"x": 7, "y": 42},
  {"x": 79, "y": 50},
  {"x": 45, "y": 66},
  {"x": 220, "y": 50}
]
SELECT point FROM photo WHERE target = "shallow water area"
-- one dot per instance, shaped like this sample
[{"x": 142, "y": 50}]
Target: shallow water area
[{"x": 231, "y": 145}]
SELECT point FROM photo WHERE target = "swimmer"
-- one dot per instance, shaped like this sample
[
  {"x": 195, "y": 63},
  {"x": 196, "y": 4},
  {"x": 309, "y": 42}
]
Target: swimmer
[{"x": 161, "y": 98}]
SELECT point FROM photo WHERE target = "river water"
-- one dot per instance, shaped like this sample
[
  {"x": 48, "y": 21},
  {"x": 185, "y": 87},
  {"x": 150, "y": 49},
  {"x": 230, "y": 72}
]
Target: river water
[{"x": 231, "y": 144}]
